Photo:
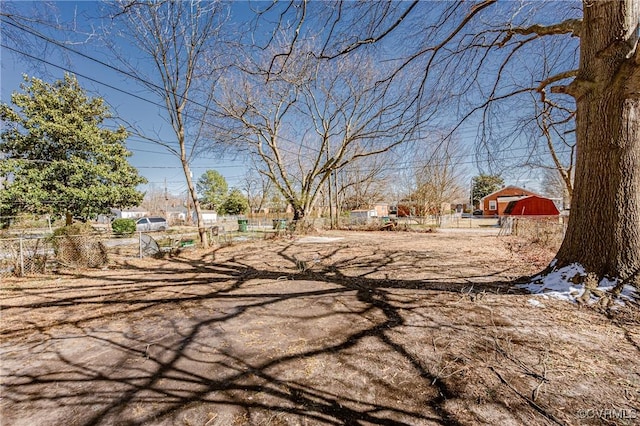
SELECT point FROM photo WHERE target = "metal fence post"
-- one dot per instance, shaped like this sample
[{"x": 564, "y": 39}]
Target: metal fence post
[
  {"x": 140, "y": 243},
  {"x": 21, "y": 258}
]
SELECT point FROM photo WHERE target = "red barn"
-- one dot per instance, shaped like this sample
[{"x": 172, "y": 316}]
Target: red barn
[
  {"x": 495, "y": 203},
  {"x": 531, "y": 206}
]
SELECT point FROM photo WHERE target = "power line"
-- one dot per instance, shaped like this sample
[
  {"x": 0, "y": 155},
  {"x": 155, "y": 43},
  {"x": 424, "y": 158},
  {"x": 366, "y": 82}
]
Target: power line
[
  {"x": 173, "y": 155},
  {"x": 98, "y": 61},
  {"x": 81, "y": 75},
  {"x": 191, "y": 167},
  {"x": 404, "y": 166},
  {"x": 126, "y": 73},
  {"x": 131, "y": 75},
  {"x": 147, "y": 83},
  {"x": 47, "y": 39},
  {"x": 98, "y": 82},
  {"x": 136, "y": 96}
]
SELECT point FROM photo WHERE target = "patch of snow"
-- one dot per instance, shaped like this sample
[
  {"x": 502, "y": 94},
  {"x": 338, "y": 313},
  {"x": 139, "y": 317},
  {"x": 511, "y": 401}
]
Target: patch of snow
[
  {"x": 630, "y": 291},
  {"x": 558, "y": 284}
]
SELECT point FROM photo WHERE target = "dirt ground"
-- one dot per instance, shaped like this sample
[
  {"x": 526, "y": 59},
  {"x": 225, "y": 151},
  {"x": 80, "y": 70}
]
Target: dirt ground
[{"x": 341, "y": 328}]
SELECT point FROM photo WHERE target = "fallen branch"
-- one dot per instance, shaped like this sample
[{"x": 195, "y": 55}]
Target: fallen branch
[{"x": 527, "y": 399}]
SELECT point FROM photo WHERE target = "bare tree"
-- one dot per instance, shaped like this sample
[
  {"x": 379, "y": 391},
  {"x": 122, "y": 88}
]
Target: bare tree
[
  {"x": 562, "y": 151},
  {"x": 555, "y": 119},
  {"x": 438, "y": 179},
  {"x": 38, "y": 30},
  {"x": 258, "y": 189},
  {"x": 479, "y": 50},
  {"x": 179, "y": 38},
  {"x": 155, "y": 199},
  {"x": 548, "y": 126},
  {"x": 555, "y": 188},
  {"x": 310, "y": 120},
  {"x": 363, "y": 183}
]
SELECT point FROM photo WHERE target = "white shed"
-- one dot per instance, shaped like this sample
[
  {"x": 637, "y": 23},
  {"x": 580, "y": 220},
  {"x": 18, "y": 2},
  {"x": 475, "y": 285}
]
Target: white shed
[
  {"x": 208, "y": 216},
  {"x": 362, "y": 216}
]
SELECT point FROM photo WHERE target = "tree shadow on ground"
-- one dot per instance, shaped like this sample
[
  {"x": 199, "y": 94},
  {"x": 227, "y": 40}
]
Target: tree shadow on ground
[{"x": 192, "y": 340}]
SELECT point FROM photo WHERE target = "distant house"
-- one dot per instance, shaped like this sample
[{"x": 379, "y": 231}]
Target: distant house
[
  {"x": 495, "y": 203},
  {"x": 132, "y": 213},
  {"x": 532, "y": 205},
  {"x": 382, "y": 209}
]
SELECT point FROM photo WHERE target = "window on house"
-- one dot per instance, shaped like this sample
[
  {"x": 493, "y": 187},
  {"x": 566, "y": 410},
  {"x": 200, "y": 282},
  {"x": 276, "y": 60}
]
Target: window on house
[{"x": 493, "y": 205}]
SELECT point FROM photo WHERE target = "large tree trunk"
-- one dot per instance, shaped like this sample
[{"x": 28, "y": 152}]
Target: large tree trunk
[{"x": 603, "y": 233}]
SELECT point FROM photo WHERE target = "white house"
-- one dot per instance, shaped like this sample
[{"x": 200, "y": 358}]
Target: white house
[{"x": 132, "y": 213}]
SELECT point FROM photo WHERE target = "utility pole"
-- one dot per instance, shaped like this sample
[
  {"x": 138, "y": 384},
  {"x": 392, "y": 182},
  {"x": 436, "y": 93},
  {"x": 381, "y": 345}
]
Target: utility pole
[
  {"x": 335, "y": 187},
  {"x": 330, "y": 201},
  {"x": 471, "y": 198},
  {"x": 166, "y": 201}
]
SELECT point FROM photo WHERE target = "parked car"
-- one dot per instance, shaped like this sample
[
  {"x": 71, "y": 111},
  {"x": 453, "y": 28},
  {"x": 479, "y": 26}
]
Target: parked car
[
  {"x": 478, "y": 212},
  {"x": 154, "y": 223}
]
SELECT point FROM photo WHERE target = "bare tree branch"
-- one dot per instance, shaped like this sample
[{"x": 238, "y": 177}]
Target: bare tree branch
[
  {"x": 570, "y": 26},
  {"x": 386, "y": 31}
]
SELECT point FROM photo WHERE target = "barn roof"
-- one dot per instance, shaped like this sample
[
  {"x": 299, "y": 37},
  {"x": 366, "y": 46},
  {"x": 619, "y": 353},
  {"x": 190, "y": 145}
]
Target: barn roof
[{"x": 537, "y": 206}]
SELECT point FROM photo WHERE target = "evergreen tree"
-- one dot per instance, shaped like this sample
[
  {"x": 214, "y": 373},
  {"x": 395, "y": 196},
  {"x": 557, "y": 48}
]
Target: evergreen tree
[
  {"x": 59, "y": 157},
  {"x": 213, "y": 188},
  {"x": 235, "y": 203},
  {"x": 484, "y": 185}
]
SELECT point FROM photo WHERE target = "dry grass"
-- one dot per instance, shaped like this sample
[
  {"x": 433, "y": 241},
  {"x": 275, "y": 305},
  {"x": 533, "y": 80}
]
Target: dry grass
[{"x": 376, "y": 328}]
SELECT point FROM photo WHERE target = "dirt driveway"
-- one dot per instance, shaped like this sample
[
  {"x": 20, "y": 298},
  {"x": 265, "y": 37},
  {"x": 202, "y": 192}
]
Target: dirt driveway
[{"x": 342, "y": 328}]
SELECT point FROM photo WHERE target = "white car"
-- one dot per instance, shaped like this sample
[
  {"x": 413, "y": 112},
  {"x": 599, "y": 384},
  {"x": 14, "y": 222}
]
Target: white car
[{"x": 154, "y": 223}]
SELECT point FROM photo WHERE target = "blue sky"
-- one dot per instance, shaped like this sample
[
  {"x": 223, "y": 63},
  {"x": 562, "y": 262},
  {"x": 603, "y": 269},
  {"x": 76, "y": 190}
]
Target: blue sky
[
  {"x": 129, "y": 99},
  {"x": 126, "y": 98}
]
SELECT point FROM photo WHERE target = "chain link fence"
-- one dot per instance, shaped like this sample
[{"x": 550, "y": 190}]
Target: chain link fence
[
  {"x": 30, "y": 255},
  {"x": 25, "y": 256},
  {"x": 545, "y": 230},
  {"x": 41, "y": 253}
]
